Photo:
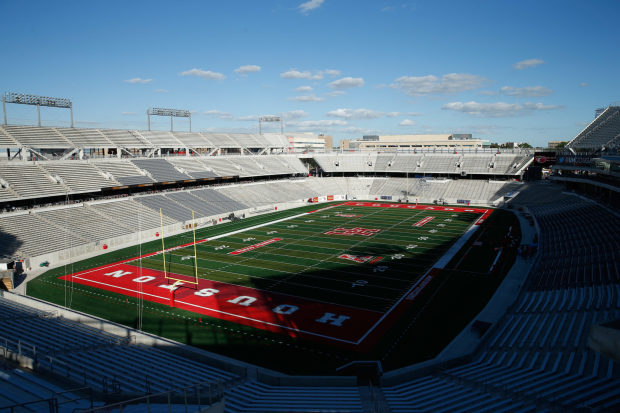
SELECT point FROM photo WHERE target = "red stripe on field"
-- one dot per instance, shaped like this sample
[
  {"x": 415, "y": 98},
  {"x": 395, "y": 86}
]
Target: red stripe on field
[
  {"x": 274, "y": 312},
  {"x": 423, "y": 221},
  {"x": 418, "y": 207},
  {"x": 484, "y": 216},
  {"x": 255, "y": 246},
  {"x": 328, "y": 207}
]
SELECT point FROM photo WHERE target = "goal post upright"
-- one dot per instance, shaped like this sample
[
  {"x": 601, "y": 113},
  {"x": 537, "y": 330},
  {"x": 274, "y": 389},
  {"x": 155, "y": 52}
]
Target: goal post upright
[
  {"x": 195, "y": 253},
  {"x": 163, "y": 247},
  {"x": 172, "y": 276}
]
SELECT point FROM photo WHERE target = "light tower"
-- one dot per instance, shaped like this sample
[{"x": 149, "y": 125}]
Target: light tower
[
  {"x": 173, "y": 113},
  {"x": 269, "y": 118},
  {"x": 38, "y": 101}
]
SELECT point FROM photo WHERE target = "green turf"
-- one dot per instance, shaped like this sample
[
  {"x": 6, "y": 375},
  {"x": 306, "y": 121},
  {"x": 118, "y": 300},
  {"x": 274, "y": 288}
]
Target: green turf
[{"x": 305, "y": 264}]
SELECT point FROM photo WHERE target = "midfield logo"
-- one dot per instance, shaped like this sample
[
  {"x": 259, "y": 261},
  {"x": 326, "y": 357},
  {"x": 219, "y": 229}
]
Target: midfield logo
[
  {"x": 356, "y": 258},
  {"x": 347, "y": 215},
  {"x": 366, "y": 232}
]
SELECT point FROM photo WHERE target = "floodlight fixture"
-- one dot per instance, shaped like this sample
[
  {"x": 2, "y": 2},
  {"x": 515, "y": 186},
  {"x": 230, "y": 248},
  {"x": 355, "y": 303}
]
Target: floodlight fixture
[
  {"x": 173, "y": 113},
  {"x": 267, "y": 119},
  {"x": 38, "y": 101}
]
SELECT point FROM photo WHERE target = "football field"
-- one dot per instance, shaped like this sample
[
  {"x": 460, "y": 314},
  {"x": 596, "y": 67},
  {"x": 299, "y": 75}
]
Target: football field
[{"x": 336, "y": 273}]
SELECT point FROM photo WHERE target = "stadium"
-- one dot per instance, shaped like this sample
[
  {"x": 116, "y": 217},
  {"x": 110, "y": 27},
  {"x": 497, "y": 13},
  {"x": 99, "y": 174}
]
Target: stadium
[
  {"x": 221, "y": 272},
  {"x": 309, "y": 206}
]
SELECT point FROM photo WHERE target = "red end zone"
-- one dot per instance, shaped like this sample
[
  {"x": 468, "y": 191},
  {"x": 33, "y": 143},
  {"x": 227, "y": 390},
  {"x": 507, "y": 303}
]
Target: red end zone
[
  {"x": 422, "y": 207},
  {"x": 485, "y": 212},
  {"x": 265, "y": 310}
]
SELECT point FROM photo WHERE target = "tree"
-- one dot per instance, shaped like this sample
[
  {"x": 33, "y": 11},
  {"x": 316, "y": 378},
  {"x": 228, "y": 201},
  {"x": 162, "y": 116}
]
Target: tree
[{"x": 525, "y": 145}]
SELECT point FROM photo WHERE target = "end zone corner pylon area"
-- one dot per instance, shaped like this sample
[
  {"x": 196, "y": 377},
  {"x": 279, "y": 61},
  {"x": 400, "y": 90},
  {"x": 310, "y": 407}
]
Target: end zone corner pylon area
[{"x": 339, "y": 274}]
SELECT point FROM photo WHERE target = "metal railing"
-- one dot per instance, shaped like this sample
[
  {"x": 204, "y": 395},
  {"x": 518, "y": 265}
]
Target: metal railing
[{"x": 191, "y": 398}]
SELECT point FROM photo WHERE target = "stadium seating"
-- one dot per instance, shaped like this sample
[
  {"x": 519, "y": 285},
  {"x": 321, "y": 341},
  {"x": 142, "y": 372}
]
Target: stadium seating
[
  {"x": 167, "y": 206},
  {"x": 37, "y": 137},
  {"x": 603, "y": 131},
  {"x": 162, "y": 139},
  {"x": 90, "y": 357},
  {"x": 193, "y": 167},
  {"x": 6, "y": 141},
  {"x": 258, "y": 397},
  {"x": 160, "y": 169},
  {"x": 29, "y": 180},
  {"x": 79, "y": 176},
  {"x": 537, "y": 357},
  {"x": 427, "y": 161},
  {"x": 217, "y": 201},
  {"x": 19, "y": 387},
  {"x": 125, "y": 138},
  {"x": 85, "y": 138},
  {"x": 123, "y": 171}
]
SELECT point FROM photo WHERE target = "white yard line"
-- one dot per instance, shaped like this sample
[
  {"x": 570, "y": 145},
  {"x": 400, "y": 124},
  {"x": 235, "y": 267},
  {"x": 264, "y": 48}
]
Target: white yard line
[{"x": 443, "y": 261}]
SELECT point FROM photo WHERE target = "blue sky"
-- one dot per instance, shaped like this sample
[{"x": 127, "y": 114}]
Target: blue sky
[{"x": 501, "y": 70}]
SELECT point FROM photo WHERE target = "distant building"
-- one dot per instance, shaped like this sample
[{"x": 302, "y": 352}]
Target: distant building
[
  {"x": 303, "y": 142},
  {"x": 411, "y": 142},
  {"x": 345, "y": 144},
  {"x": 329, "y": 142},
  {"x": 598, "y": 111}
]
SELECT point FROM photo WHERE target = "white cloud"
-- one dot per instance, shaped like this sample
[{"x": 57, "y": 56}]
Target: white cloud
[
  {"x": 354, "y": 114},
  {"x": 307, "y": 98},
  {"x": 332, "y": 72},
  {"x": 353, "y": 129},
  {"x": 296, "y": 74},
  {"x": 431, "y": 84},
  {"x": 218, "y": 114},
  {"x": 396, "y": 114},
  {"x": 161, "y": 91},
  {"x": 251, "y": 118},
  {"x": 584, "y": 84},
  {"x": 294, "y": 114},
  {"x": 525, "y": 64},
  {"x": 304, "y": 89},
  {"x": 528, "y": 91},
  {"x": 498, "y": 109},
  {"x": 244, "y": 70},
  {"x": 205, "y": 74},
  {"x": 336, "y": 93},
  {"x": 129, "y": 113},
  {"x": 138, "y": 80},
  {"x": 310, "y": 5},
  {"x": 347, "y": 82},
  {"x": 407, "y": 122},
  {"x": 325, "y": 123}
]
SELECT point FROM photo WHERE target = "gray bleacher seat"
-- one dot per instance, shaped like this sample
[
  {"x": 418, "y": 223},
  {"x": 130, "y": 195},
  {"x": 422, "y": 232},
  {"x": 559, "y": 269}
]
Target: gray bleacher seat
[{"x": 160, "y": 169}]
